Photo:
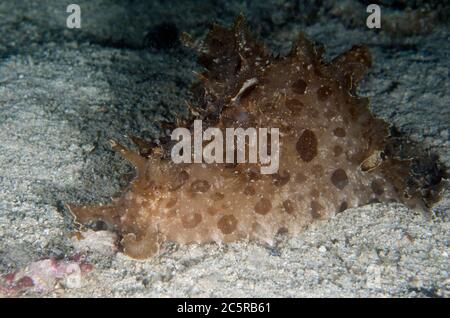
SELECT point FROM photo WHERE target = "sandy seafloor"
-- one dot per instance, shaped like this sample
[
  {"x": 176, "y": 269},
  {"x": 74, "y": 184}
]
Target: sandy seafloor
[{"x": 64, "y": 93}]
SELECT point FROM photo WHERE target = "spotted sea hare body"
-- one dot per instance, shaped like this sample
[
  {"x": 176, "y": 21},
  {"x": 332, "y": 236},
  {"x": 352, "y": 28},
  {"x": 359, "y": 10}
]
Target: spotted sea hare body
[{"x": 332, "y": 152}]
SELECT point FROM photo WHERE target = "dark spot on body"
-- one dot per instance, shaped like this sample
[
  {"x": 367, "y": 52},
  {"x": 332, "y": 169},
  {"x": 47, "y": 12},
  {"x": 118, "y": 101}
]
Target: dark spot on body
[
  {"x": 339, "y": 179},
  {"x": 171, "y": 202},
  {"x": 299, "y": 87},
  {"x": 191, "y": 221},
  {"x": 307, "y": 145},
  {"x": 263, "y": 206},
  {"x": 294, "y": 105},
  {"x": 227, "y": 224},
  {"x": 288, "y": 206},
  {"x": 280, "y": 180},
  {"x": 211, "y": 211},
  {"x": 377, "y": 187},
  {"x": 339, "y": 132}
]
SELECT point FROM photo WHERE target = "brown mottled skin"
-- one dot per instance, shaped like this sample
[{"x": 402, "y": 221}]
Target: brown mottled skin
[{"x": 331, "y": 152}]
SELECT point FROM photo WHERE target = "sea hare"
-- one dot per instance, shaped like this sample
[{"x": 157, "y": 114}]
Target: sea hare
[{"x": 333, "y": 152}]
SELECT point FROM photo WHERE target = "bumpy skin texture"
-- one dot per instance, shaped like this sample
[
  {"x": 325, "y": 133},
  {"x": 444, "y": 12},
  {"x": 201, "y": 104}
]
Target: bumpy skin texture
[{"x": 331, "y": 152}]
